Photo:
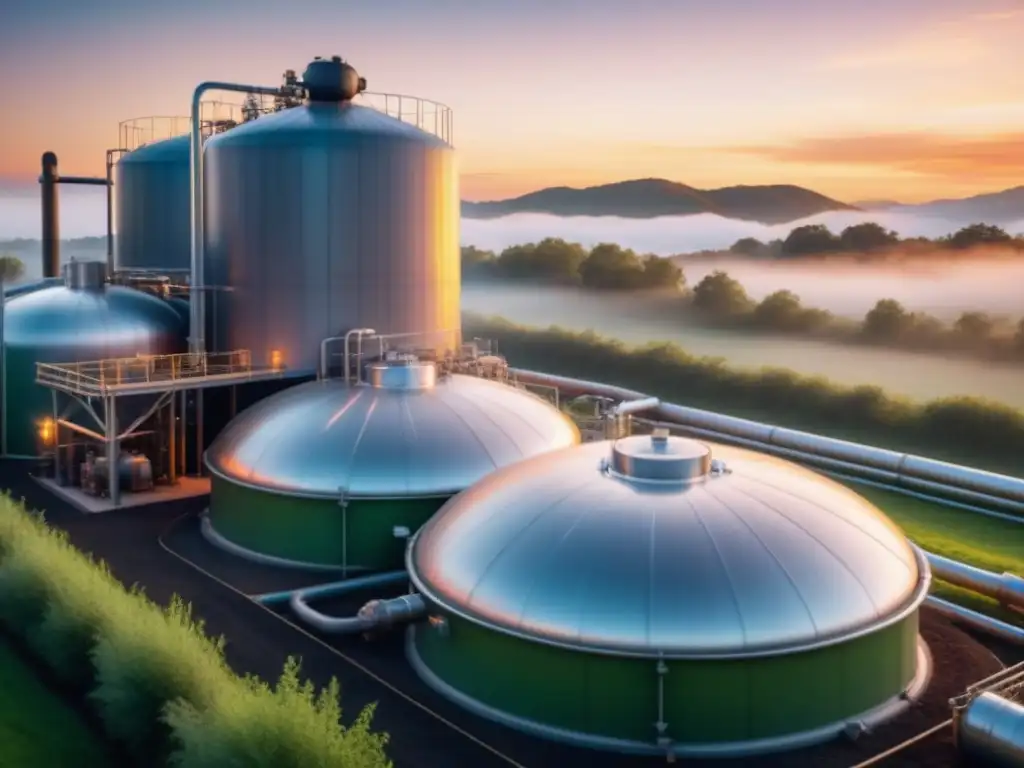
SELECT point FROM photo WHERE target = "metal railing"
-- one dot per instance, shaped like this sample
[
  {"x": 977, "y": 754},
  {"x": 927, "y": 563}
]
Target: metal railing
[
  {"x": 149, "y": 373},
  {"x": 218, "y": 116}
]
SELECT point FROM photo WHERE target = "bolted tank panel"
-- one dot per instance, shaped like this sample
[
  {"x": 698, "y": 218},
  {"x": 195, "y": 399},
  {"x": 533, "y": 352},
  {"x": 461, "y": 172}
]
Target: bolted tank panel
[
  {"x": 151, "y": 207},
  {"x": 734, "y": 590},
  {"x": 65, "y": 325},
  {"x": 710, "y": 703},
  {"x": 296, "y": 470},
  {"x": 314, "y": 531},
  {"x": 324, "y": 218}
]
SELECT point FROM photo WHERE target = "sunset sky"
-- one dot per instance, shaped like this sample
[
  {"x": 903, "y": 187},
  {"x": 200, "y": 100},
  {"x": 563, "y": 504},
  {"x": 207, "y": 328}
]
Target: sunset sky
[{"x": 893, "y": 99}]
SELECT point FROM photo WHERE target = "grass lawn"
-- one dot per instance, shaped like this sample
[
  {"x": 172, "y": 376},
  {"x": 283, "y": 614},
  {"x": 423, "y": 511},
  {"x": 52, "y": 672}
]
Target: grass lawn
[
  {"x": 37, "y": 729},
  {"x": 985, "y": 542}
]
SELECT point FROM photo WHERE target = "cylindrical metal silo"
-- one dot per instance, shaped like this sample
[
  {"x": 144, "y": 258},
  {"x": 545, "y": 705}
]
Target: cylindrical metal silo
[
  {"x": 660, "y": 601},
  {"x": 329, "y": 473},
  {"x": 82, "y": 321},
  {"x": 151, "y": 207},
  {"x": 327, "y": 217}
]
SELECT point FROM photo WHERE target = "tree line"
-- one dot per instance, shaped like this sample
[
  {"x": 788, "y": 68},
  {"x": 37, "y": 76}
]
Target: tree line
[
  {"x": 869, "y": 239},
  {"x": 965, "y": 430},
  {"x": 721, "y": 301}
]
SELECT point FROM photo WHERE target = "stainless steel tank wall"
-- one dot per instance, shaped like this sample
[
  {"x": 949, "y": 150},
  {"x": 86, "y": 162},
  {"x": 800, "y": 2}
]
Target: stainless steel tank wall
[
  {"x": 320, "y": 234},
  {"x": 916, "y": 473},
  {"x": 151, "y": 207},
  {"x": 991, "y": 732}
]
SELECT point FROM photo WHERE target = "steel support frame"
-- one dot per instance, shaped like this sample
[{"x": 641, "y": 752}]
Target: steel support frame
[{"x": 108, "y": 424}]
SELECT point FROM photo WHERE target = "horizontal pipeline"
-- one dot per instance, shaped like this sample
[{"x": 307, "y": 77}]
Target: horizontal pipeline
[{"x": 900, "y": 470}]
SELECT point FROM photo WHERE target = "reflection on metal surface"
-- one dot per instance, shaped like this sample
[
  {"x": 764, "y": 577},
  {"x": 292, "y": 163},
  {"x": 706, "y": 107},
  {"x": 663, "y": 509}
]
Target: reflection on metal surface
[
  {"x": 87, "y": 325},
  {"x": 767, "y": 557},
  {"x": 1007, "y": 588},
  {"x": 991, "y": 731},
  {"x": 410, "y": 374},
  {"x": 987, "y": 624},
  {"x": 85, "y": 275},
  {"x": 151, "y": 206},
  {"x": 660, "y": 459},
  {"x": 914, "y": 473},
  {"x": 319, "y": 438},
  {"x": 327, "y": 217}
]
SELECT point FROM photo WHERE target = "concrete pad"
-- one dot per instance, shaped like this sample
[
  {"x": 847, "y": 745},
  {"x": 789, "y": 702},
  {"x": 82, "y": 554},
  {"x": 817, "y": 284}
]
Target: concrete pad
[{"x": 184, "y": 488}]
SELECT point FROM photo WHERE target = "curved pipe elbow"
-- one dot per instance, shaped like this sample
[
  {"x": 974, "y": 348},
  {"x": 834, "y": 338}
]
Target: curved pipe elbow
[{"x": 331, "y": 625}]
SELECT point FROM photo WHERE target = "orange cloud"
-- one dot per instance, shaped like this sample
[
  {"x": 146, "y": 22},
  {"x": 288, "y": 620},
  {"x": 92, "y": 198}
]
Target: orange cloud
[{"x": 999, "y": 156}]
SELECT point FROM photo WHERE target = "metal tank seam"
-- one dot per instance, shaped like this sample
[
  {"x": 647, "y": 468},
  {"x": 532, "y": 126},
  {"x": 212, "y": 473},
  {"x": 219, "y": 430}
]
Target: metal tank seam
[
  {"x": 830, "y": 512},
  {"x": 771, "y": 553},
  {"x": 725, "y": 568},
  {"x": 513, "y": 539},
  {"x": 846, "y": 567},
  {"x": 531, "y": 589},
  {"x": 490, "y": 401},
  {"x": 469, "y": 430},
  {"x": 651, "y": 546}
]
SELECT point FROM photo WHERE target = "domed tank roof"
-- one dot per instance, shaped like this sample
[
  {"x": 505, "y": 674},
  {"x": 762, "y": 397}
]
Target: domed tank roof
[
  {"x": 174, "y": 150},
  {"x": 649, "y": 547},
  {"x": 328, "y": 123},
  {"x": 402, "y": 435},
  {"x": 112, "y": 317}
]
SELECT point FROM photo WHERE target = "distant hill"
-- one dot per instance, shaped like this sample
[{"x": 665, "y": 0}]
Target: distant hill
[
  {"x": 993, "y": 208},
  {"x": 647, "y": 198}
]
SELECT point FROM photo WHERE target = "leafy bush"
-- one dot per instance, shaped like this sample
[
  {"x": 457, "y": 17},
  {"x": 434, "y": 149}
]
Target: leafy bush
[
  {"x": 304, "y": 729},
  {"x": 968, "y": 430},
  {"x": 147, "y": 659},
  {"x": 160, "y": 685}
]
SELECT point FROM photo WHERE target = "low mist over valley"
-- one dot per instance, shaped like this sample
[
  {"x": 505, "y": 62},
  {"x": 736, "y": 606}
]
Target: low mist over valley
[{"x": 934, "y": 279}]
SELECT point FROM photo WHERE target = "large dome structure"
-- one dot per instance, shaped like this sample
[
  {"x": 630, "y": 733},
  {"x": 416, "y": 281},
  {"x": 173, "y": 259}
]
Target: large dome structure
[
  {"x": 331, "y": 473},
  {"x": 669, "y": 595}
]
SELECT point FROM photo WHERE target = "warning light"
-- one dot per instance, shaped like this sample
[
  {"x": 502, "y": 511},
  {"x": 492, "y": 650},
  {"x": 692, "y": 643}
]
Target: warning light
[
  {"x": 275, "y": 359},
  {"x": 46, "y": 431}
]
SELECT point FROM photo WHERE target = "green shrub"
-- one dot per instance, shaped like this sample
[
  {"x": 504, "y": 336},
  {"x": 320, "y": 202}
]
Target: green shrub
[
  {"x": 290, "y": 726},
  {"x": 24, "y": 584},
  {"x": 147, "y": 658},
  {"x": 161, "y": 686},
  {"x": 964, "y": 429},
  {"x": 78, "y": 608}
]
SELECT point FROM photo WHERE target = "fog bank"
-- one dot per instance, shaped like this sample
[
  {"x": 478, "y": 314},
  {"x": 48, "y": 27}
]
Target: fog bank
[{"x": 83, "y": 213}]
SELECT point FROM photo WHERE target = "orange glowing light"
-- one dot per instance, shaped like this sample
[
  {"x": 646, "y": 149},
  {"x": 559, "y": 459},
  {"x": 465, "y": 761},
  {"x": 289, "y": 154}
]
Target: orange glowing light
[
  {"x": 46, "y": 431},
  {"x": 275, "y": 359}
]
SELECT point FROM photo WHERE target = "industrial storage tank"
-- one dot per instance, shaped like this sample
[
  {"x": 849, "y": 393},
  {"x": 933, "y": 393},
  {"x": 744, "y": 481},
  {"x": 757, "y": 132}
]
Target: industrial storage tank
[
  {"x": 335, "y": 474},
  {"x": 327, "y": 217},
  {"x": 83, "y": 320},
  {"x": 151, "y": 207},
  {"x": 661, "y": 600}
]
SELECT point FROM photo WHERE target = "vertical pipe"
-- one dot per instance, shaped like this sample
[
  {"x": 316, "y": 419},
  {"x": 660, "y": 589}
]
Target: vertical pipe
[
  {"x": 113, "y": 474},
  {"x": 56, "y": 439},
  {"x": 51, "y": 216},
  {"x": 183, "y": 419},
  {"x": 197, "y": 331},
  {"x": 110, "y": 214},
  {"x": 199, "y": 432},
  {"x": 172, "y": 440}
]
